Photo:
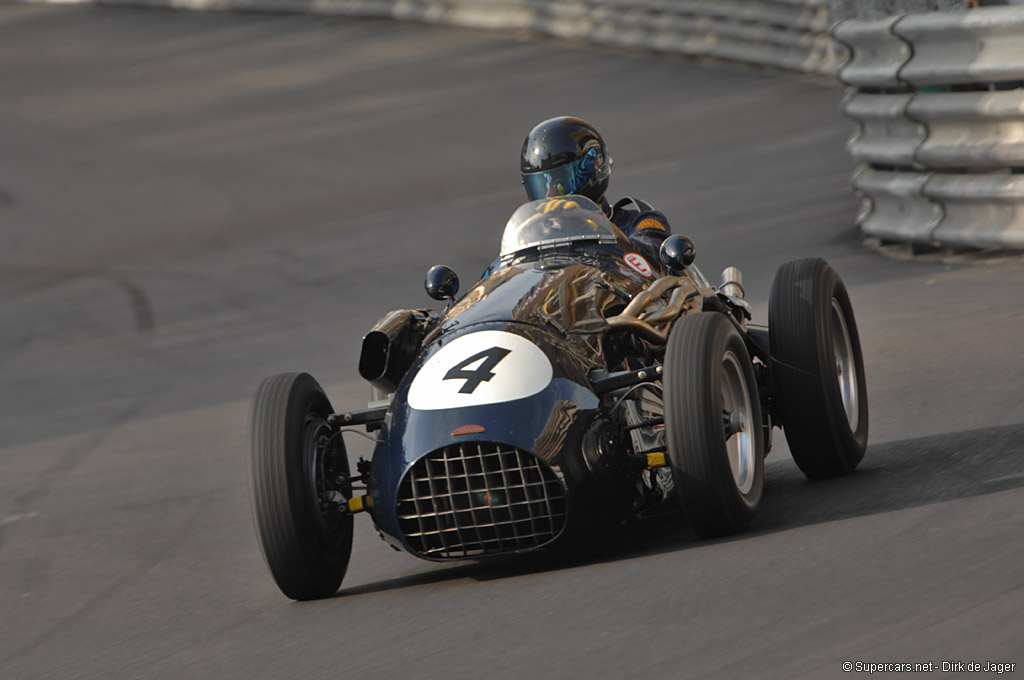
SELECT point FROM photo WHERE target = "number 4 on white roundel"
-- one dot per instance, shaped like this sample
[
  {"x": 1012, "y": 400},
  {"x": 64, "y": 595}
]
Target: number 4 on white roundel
[
  {"x": 486, "y": 367},
  {"x": 488, "y": 359}
]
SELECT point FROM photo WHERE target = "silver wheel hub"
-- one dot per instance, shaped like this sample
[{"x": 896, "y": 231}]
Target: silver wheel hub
[
  {"x": 846, "y": 365},
  {"x": 736, "y": 417}
]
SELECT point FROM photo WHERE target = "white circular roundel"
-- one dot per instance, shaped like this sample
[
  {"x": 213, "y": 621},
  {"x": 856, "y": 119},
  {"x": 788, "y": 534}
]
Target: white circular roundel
[
  {"x": 486, "y": 367},
  {"x": 638, "y": 263}
]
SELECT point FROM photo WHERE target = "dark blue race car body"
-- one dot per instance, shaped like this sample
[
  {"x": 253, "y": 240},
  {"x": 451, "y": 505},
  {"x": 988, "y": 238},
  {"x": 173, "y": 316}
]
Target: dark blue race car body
[
  {"x": 554, "y": 301},
  {"x": 579, "y": 382}
]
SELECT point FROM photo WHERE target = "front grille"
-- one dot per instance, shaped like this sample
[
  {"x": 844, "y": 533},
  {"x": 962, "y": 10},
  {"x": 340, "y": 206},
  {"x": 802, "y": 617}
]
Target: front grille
[{"x": 479, "y": 498}]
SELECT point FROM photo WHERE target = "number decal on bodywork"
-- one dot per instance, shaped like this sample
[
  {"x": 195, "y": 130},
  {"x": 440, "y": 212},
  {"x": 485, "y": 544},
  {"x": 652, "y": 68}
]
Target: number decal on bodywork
[
  {"x": 478, "y": 368},
  {"x": 483, "y": 373},
  {"x": 637, "y": 263}
]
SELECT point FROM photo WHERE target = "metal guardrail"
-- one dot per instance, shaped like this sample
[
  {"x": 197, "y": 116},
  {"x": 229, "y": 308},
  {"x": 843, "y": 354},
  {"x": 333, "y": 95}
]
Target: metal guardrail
[
  {"x": 981, "y": 46},
  {"x": 973, "y": 130},
  {"x": 979, "y": 211},
  {"x": 896, "y": 208},
  {"x": 939, "y": 104},
  {"x": 879, "y": 53},
  {"x": 885, "y": 136},
  {"x": 790, "y": 34}
]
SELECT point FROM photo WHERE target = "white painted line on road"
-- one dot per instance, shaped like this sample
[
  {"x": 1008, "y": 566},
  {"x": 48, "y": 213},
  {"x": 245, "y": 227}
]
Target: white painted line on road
[{"x": 10, "y": 519}]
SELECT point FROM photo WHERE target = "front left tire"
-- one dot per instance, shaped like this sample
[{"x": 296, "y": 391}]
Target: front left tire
[{"x": 713, "y": 424}]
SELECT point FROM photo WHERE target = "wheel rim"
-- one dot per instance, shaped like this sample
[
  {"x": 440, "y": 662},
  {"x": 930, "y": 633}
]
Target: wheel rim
[
  {"x": 736, "y": 420},
  {"x": 326, "y": 495},
  {"x": 846, "y": 366}
]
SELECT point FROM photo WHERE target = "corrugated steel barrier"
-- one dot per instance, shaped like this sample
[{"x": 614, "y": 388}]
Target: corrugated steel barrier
[
  {"x": 939, "y": 103},
  {"x": 790, "y": 34}
]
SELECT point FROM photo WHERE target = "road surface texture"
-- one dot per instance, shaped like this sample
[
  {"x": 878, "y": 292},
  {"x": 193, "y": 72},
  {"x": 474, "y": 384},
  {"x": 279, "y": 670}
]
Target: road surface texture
[{"x": 191, "y": 202}]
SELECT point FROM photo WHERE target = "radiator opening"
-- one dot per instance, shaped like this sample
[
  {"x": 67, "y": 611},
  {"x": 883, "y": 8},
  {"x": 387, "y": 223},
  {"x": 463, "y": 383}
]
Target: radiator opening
[{"x": 480, "y": 498}]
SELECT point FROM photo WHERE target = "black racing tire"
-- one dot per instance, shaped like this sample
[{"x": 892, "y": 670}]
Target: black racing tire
[
  {"x": 717, "y": 462},
  {"x": 821, "y": 395},
  {"x": 294, "y": 462}
]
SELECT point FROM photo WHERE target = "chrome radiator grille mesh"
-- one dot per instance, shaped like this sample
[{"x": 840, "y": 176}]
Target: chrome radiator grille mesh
[{"x": 479, "y": 498}]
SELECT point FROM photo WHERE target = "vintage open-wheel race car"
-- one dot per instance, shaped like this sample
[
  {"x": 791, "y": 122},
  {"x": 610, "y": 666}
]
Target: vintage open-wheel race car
[{"x": 579, "y": 382}]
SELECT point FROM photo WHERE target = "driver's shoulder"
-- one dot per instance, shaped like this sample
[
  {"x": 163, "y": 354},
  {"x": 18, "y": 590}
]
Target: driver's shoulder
[
  {"x": 631, "y": 203},
  {"x": 631, "y": 214}
]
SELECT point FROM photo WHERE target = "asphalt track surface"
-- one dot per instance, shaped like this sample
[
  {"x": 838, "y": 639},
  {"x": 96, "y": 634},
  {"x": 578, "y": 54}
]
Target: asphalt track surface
[{"x": 191, "y": 202}]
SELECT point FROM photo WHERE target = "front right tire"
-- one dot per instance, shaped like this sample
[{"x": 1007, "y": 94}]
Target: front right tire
[{"x": 295, "y": 463}]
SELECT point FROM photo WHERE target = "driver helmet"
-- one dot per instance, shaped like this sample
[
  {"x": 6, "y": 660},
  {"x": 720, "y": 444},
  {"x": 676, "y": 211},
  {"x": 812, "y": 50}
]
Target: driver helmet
[{"x": 565, "y": 155}]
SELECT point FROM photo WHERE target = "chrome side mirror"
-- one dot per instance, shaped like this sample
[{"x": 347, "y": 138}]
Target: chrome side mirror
[
  {"x": 677, "y": 252},
  {"x": 442, "y": 282}
]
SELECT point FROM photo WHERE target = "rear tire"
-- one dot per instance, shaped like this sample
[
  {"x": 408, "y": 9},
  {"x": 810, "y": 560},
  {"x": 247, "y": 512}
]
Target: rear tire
[
  {"x": 294, "y": 462},
  {"x": 822, "y": 397},
  {"x": 713, "y": 424}
]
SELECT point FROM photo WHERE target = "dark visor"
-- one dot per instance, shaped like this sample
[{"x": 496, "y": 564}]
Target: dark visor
[{"x": 563, "y": 180}]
